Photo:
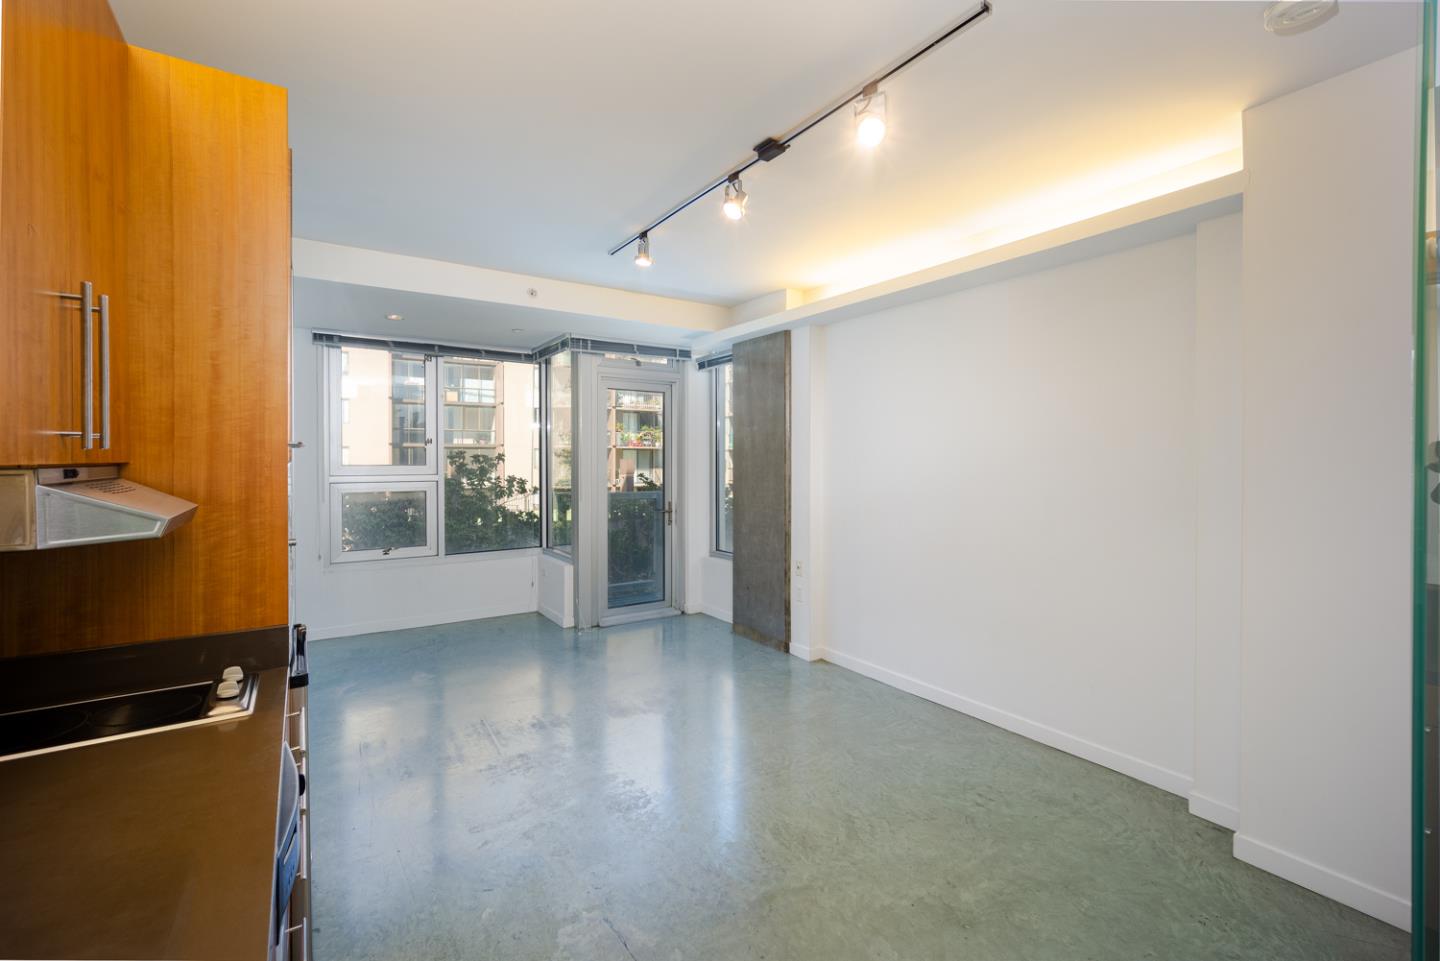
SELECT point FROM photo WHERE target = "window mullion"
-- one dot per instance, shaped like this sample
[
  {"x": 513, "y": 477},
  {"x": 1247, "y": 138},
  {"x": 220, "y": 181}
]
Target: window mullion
[{"x": 438, "y": 431}]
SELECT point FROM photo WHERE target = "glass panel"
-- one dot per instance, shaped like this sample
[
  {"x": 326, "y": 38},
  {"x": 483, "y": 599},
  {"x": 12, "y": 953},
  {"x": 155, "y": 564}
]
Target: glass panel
[
  {"x": 469, "y": 382},
  {"x": 636, "y": 497},
  {"x": 382, "y": 403},
  {"x": 724, "y": 459},
  {"x": 490, "y": 434},
  {"x": 640, "y": 359},
  {"x": 381, "y": 520},
  {"x": 561, "y": 453},
  {"x": 1425, "y": 775}
]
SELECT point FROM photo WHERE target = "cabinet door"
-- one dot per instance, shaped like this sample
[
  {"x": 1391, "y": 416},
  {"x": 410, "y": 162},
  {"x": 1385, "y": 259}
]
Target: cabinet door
[{"x": 62, "y": 111}]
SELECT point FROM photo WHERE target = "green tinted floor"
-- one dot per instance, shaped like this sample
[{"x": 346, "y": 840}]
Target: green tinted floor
[{"x": 505, "y": 789}]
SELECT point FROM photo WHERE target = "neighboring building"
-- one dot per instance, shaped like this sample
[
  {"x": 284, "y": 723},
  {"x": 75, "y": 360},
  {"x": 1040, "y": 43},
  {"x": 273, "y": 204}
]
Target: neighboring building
[
  {"x": 486, "y": 407},
  {"x": 636, "y": 426}
]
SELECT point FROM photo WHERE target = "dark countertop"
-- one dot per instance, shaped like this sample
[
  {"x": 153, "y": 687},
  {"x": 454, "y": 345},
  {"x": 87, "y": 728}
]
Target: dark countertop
[{"x": 152, "y": 847}]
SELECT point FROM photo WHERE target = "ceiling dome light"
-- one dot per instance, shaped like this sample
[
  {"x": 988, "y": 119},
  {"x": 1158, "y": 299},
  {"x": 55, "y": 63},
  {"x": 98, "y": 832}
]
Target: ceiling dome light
[
  {"x": 642, "y": 252},
  {"x": 1289, "y": 17},
  {"x": 735, "y": 199},
  {"x": 870, "y": 117}
]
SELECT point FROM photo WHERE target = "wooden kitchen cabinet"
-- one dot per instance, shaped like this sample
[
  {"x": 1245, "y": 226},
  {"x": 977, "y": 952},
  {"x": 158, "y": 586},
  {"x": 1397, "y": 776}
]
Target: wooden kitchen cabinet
[
  {"x": 63, "y": 87},
  {"x": 195, "y": 240}
]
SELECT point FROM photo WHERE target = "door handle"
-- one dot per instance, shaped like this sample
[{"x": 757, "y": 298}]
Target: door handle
[{"x": 669, "y": 513}]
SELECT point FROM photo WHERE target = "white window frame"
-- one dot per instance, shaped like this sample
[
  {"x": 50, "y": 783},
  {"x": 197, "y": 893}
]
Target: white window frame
[
  {"x": 335, "y": 425},
  {"x": 430, "y": 548},
  {"x": 429, "y": 478}
]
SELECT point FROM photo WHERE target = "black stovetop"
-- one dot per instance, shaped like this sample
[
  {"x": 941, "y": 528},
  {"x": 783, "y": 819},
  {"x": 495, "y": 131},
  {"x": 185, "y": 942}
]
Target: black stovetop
[{"x": 63, "y": 724}]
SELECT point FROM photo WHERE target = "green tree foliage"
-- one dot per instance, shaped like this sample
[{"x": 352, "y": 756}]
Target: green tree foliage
[
  {"x": 562, "y": 517},
  {"x": 636, "y": 526},
  {"x": 478, "y": 511},
  {"x": 382, "y": 520}
]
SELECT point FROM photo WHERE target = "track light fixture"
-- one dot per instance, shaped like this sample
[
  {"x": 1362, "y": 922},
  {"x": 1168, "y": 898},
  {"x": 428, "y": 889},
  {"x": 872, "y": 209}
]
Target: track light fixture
[
  {"x": 870, "y": 116},
  {"x": 735, "y": 199},
  {"x": 870, "y": 122}
]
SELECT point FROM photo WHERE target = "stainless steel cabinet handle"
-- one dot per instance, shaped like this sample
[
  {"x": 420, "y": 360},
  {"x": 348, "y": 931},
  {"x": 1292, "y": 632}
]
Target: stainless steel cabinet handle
[
  {"x": 105, "y": 371},
  {"x": 86, "y": 433},
  {"x": 87, "y": 309}
]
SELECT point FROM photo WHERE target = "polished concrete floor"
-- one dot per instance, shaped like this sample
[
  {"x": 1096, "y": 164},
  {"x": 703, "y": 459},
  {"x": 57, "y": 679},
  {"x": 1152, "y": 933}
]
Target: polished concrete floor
[{"x": 505, "y": 789}]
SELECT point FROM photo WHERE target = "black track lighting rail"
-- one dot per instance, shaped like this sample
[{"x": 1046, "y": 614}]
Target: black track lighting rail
[{"x": 772, "y": 147}]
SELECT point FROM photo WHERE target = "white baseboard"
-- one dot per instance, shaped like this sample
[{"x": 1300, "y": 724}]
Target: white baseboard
[
  {"x": 1153, "y": 774},
  {"x": 556, "y": 617},
  {"x": 807, "y": 653},
  {"x": 420, "y": 620},
  {"x": 1390, "y": 908},
  {"x": 1216, "y": 812},
  {"x": 720, "y": 614}
]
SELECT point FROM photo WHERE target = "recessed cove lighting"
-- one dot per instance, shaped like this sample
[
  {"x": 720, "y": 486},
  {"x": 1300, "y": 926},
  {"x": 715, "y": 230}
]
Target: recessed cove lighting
[
  {"x": 394, "y": 316},
  {"x": 1289, "y": 17}
]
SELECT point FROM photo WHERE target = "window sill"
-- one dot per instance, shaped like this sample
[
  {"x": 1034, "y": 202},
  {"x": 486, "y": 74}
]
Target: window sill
[
  {"x": 722, "y": 555},
  {"x": 433, "y": 560}
]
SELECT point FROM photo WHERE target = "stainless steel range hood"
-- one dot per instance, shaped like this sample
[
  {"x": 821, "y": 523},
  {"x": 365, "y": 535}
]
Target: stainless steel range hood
[{"x": 72, "y": 506}]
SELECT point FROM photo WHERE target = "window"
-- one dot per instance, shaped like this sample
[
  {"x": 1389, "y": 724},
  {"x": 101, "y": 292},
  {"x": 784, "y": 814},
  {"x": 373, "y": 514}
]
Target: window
[
  {"x": 380, "y": 424},
  {"x": 724, "y": 380},
  {"x": 638, "y": 360},
  {"x": 491, "y": 484},
  {"x": 391, "y": 495},
  {"x": 471, "y": 404},
  {"x": 637, "y": 441},
  {"x": 373, "y": 521},
  {"x": 408, "y": 399},
  {"x": 560, "y": 452}
]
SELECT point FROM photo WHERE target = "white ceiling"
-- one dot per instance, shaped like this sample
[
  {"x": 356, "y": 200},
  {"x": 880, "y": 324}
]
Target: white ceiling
[
  {"x": 327, "y": 305},
  {"x": 533, "y": 136}
]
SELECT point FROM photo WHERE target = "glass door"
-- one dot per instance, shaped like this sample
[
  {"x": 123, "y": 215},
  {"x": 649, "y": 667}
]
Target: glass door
[
  {"x": 1425, "y": 743},
  {"x": 636, "y": 549}
]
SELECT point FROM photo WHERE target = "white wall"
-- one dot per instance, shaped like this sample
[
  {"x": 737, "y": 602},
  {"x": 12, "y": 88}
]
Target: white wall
[
  {"x": 1012, "y": 528},
  {"x": 334, "y": 600},
  {"x": 556, "y": 589},
  {"x": 708, "y": 578},
  {"x": 1152, "y": 508},
  {"x": 1215, "y": 793},
  {"x": 716, "y": 589},
  {"x": 1329, "y": 222},
  {"x": 807, "y": 486}
]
